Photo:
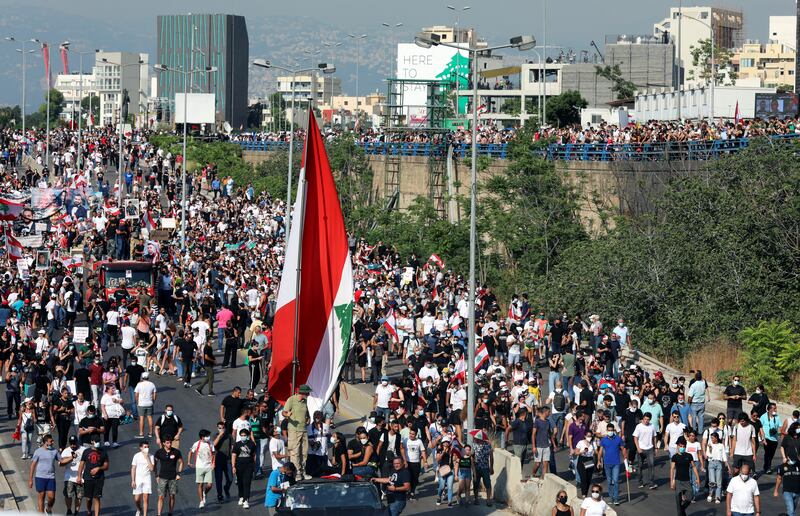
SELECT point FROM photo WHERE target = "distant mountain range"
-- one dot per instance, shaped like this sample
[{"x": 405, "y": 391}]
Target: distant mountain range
[{"x": 282, "y": 40}]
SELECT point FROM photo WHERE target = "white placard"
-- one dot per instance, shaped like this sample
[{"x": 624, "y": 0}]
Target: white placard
[
  {"x": 80, "y": 334},
  {"x": 170, "y": 223},
  {"x": 40, "y": 227}
]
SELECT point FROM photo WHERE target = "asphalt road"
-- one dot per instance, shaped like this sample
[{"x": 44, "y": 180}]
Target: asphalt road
[
  {"x": 660, "y": 501},
  {"x": 196, "y": 412}
]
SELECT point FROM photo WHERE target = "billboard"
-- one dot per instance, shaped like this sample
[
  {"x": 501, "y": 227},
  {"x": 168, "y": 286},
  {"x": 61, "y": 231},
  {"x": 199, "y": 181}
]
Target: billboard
[
  {"x": 201, "y": 108},
  {"x": 776, "y": 105},
  {"x": 435, "y": 63}
]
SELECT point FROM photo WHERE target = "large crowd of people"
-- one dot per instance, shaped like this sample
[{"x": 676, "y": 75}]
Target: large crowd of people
[{"x": 81, "y": 355}]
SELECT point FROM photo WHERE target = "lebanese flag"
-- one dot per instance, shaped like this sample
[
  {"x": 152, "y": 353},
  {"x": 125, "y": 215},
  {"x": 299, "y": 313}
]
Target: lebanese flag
[
  {"x": 324, "y": 301},
  {"x": 455, "y": 321},
  {"x": 459, "y": 371},
  {"x": 737, "y": 117},
  {"x": 438, "y": 261},
  {"x": 13, "y": 247},
  {"x": 481, "y": 357},
  {"x": 10, "y": 210},
  {"x": 390, "y": 323}
]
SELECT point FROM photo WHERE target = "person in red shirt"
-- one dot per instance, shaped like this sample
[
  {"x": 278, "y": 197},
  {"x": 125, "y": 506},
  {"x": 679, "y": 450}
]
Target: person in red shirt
[{"x": 96, "y": 371}]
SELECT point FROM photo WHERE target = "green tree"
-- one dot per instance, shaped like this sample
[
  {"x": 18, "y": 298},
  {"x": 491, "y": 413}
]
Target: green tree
[
  {"x": 56, "y": 107},
  {"x": 771, "y": 355},
  {"x": 623, "y": 88},
  {"x": 702, "y": 60},
  {"x": 95, "y": 107},
  {"x": 528, "y": 217},
  {"x": 719, "y": 254},
  {"x": 565, "y": 109},
  {"x": 277, "y": 106},
  {"x": 10, "y": 116}
]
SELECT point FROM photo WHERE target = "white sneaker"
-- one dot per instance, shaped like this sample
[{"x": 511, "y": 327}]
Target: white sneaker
[
  {"x": 709, "y": 499},
  {"x": 202, "y": 504},
  {"x": 106, "y": 444},
  {"x": 245, "y": 505},
  {"x": 138, "y": 513},
  {"x": 241, "y": 501}
]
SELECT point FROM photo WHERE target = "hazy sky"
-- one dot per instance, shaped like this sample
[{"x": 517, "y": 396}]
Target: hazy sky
[{"x": 130, "y": 25}]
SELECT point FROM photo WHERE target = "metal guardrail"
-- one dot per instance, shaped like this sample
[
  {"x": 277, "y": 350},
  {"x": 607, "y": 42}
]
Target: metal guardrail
[{"x": 699, "y": 150}]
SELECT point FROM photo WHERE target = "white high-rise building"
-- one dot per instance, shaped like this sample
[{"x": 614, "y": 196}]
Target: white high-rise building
[
  {"x": 696, "y": 26},
  {"x": 69, "y": 84},
  {"x": 783, "y": 30},
  {"x": 118, "y": 71}
]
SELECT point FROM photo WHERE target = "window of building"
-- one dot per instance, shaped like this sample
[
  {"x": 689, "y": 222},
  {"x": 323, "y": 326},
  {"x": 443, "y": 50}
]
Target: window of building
[
  {"x": 704, "y": 15},
  {"x": 596, "y": 119}
]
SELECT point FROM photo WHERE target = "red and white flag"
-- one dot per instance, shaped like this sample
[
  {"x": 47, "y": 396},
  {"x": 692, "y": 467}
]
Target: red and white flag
[
  {"x": 46, "y": 56},
  {"x": 481, "y": 357},
  {"x": 390, "y": 323},
  {"x": 737, "y": 117},
  {"x": 13, "y": 247},
  {"x": 455, "y": 321},
  {"x": 324, "y": 300},
  {"x": 149, "y": 223},
  {"x": 64, "y": 59},
  {"x": 482, "y": 109},
  {"x": 10, "y": 210},
  {"x": 438, "y": 261}
]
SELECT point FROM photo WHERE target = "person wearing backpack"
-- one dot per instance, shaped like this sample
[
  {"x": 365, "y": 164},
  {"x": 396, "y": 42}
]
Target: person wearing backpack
[{"x": 558, "y": 401}]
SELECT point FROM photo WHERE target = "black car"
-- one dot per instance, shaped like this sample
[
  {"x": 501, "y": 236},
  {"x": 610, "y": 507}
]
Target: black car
[{"x": 334, "y": 497}]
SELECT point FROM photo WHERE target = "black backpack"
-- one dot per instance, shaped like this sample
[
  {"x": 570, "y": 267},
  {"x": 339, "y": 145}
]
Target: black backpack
[{"x": 559, "y": 400}]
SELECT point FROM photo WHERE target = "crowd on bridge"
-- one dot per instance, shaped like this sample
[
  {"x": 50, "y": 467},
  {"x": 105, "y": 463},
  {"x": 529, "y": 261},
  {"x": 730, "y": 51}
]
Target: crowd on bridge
[{"x": 79, "y": 359}]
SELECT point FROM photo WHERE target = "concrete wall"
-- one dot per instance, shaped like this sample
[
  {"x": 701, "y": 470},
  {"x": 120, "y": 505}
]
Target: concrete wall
[{"x": 604, "y": 187}]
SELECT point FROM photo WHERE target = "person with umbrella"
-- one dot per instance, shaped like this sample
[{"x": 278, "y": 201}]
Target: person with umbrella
[{"x": 484, "y": 464}]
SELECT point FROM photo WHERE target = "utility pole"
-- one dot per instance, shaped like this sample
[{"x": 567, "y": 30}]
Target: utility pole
[{"x": 680, "y": 61}]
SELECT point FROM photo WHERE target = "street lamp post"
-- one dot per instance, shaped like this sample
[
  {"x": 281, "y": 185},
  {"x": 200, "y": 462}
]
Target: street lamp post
[
  {"x": 326, "y": 68},
  {"x": 22, "y": 50},
  {"x": 120, "y": 160},
  {"x": 66, "y": 45},
  {"x": 521, "y": 43},
  {"x": 713, "y": 61},
  {"x": 358, "y": 39},
  {"x": 186, "y": 74},
  {"x": 458, "y": 12}
]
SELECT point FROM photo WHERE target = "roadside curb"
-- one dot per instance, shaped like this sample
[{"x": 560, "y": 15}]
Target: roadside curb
[{"x": 8, "y": 495}]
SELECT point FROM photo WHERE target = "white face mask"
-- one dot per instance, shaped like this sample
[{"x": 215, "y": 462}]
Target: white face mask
[
  {"x": 364, "y": 441},
  {"x": 242, "y": 438},
  {"x": 384, "y": 383},
  {"x": 206, "y": 438},
  {"x": 745, "y": 478},
  {"x": 596, "y": 496},
  {"x": 145, "y": 449}
]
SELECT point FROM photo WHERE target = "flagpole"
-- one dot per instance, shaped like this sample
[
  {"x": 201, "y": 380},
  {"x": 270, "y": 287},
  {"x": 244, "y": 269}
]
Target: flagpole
[{"x": 301, "y": 205}]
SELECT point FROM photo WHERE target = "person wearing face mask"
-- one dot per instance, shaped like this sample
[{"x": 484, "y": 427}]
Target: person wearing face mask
[
  {"x": 594, "y": 505},
  {"x": 142, "y": 477},
  {"x": 734, "y": 394},
  {"x": 13, "y": 392},
  {"x": 717, "y": 463},
  {"x": 743, "y": 444},
  {"x": 91, "y": 474},
  {"x": 610, "y": 457},
  {"x": 789, "y": 477},
  {"x": 70, "y": 460},
  {"x": 680, "y": 466},
  {"x": 770, "y": 431},
  {"x": 361, "y": 454},
  {"x": 759, "y": 400},
  {"x": 243, "y": 461},
  {"x": 43, "y": 470},
  {"x": 382, "y": 396},
  {"x": 743, "y": 495},
  {"x": 169, "y": 426},
  {"x": 790, "y": 445},
  {"x": 561, "y": 508},
  {"x": 203, "y": 451},
  {"x": 222, "y": 444},
  {"x": 169, "y": 466}
]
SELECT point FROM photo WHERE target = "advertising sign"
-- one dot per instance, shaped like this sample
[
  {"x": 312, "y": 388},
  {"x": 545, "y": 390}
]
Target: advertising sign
[
  {"x": 435, "y": 63},
  {"x": 776, "y": 105}
]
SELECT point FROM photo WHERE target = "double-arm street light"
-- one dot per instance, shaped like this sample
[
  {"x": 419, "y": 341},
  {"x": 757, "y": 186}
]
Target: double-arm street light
[
  {"x": 66, "y": 45},
  {"x": 358, "y": 39},
  {"x": 186, "y": 75},
  {"x": 327, "y": 68},
  {"x": 120, "y": 161},
  {"x": 24, "y": 51},
  {"x": 522, "y": 43},
  {"x": 713, "y": 61}
]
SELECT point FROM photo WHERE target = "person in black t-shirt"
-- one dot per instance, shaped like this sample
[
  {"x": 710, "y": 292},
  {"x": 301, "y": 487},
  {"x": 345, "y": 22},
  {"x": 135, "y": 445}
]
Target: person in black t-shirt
[
  {"x": 91, "y": 426},
  {"x": 734, "y": 394},
  {"x": 398, "y": 485},
  {"x": 187, "y": 349},
  {"x": 231, "y": 407},
  {"x": 133, "y": 375},
  {"x": 169, "y": 465},
  {"x": 680, "y": 479},
  {"x": 91, "y": 475},
  {"x": 789, "y": 476},
  {"x": 243, "y": 454}
]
